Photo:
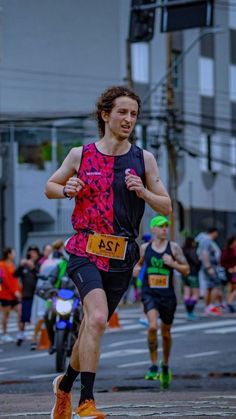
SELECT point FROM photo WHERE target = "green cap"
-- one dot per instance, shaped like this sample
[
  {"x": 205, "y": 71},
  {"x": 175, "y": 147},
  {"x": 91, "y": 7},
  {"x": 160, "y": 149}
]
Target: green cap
[{"x": 159, "y": 221}]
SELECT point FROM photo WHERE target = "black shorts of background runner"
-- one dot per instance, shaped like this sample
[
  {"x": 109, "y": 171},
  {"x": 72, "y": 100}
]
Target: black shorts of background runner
[
  {"x": 9, "y": 303},
  {"x": 166, "y": 306},
  {"x": 87, "y": 277},
  {"x": 191, "y": 281}
]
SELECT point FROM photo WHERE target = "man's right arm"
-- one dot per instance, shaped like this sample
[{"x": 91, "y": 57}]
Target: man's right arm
[
  {"x": 64, "y": 180},
  {"x": 205, "y": 259}
]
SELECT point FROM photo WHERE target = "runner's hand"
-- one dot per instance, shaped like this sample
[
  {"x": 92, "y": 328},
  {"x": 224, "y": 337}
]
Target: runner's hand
[
  {"x": 73, "y": 186},
  {"x": 168, "y": 260},
  {"x": 134, "y": 183}
]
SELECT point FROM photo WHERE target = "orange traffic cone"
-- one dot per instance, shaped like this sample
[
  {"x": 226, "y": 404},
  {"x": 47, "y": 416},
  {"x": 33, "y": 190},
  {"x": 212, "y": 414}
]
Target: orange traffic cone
[
  {"x": 44, "y": 342},
  {"x": 114, "y": 321}
]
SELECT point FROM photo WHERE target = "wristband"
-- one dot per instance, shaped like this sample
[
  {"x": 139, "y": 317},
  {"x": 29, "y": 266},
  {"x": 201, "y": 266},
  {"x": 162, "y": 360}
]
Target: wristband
[{"x": 65, "y": 193}]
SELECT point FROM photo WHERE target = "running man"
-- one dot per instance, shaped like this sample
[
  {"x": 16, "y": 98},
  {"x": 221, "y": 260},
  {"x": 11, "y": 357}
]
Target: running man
[
  {"x": 160, "y": 257},
  {"x": 110, "y": 180}
]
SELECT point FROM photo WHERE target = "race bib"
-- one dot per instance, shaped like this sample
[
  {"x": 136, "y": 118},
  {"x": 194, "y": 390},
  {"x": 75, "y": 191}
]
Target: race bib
[
  {"x": 158, "y": 281},
  {"x": 106, "y": 245}
]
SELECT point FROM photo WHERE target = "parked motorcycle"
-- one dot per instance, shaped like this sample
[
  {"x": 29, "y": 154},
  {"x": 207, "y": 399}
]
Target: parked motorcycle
[
  {"x": 69, "y": 315},
  {"x": 62, "y": 318}
]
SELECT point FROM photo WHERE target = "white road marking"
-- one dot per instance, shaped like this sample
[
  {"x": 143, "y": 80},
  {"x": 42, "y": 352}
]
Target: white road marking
[
  {"x": 221, "y": 331},
  {"x": 219, "y": 397},
  {"x": 126, "y": 342},
  {"x": 19, "y": 358},
  {"x": 135, "y": 364},
  {"x": 17, "y": 415},
  {"x": 7, "y": 372},
  {"x": 34, "y": 377},
  {"x": 126, "y": 321},
  {"x": 200, "y": 354},
  {"x": 133, "y": 327},
  {"x": 124, "y": 352},
  {"x": 204, "y": 325}
]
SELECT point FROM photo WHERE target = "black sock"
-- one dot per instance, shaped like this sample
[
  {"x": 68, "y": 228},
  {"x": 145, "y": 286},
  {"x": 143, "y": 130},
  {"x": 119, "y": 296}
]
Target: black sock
[
  {"x": 87, "y": 382},
  {"x": 68, "y": 379},
  {"x": 165, "y": 369}
]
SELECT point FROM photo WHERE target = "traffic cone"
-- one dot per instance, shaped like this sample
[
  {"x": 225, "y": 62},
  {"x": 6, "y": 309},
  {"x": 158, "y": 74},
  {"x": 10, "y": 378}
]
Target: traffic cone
[
  {"x": 44, "y": 341},
  {"x": 114, "y": 321}
]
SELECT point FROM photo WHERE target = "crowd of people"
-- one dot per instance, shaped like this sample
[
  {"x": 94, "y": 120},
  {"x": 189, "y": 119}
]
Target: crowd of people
[
  {"x": 205, "y": 271},
  {"x": 18, "y": 286}
]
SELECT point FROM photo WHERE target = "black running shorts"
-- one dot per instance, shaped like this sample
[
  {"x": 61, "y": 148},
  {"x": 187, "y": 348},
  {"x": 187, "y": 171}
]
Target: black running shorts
[
  {"x": 87, "y": 277},
  {"x": 165, "y": 306}
]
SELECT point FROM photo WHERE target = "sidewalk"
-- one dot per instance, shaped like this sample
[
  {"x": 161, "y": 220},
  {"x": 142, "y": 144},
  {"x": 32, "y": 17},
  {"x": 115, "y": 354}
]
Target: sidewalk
[{"x": 133, "y": 405}]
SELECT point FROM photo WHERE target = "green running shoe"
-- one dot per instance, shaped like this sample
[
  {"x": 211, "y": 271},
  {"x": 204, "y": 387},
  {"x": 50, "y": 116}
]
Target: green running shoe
[
  {"x": 152, "y": 373},
  {"x": 165, "y": 378}
]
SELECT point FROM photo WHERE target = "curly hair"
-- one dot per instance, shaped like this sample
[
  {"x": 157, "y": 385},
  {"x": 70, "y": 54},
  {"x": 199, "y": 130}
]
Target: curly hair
[{"x": 106, "y": 102}]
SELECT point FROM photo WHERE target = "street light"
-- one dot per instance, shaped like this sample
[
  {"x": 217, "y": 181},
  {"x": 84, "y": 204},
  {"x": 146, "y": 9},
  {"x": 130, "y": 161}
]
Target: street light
[{"x": 181, "y": 57}]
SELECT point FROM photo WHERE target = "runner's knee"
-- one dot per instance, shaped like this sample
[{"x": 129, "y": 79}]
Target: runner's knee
[
  {"x": 165, "y": 330},
  {"x": 97, "y": 321}
]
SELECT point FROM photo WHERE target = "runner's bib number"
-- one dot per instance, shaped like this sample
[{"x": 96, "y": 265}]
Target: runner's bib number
[
  {"x": 107, "y": 245},
  {"x": 158, "y": 281}
]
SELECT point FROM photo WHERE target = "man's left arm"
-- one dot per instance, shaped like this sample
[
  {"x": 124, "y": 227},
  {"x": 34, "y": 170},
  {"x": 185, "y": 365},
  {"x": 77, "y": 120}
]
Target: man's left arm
[
  {"x": 179, "y": 263},
  {"x": 155, "y": 193}
]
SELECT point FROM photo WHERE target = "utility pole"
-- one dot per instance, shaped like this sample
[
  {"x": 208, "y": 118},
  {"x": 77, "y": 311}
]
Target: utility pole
[
  {"x": 170, "y": 137},
  {"x": 129, "y": 64},
  {"x": 2, "y": 196}
]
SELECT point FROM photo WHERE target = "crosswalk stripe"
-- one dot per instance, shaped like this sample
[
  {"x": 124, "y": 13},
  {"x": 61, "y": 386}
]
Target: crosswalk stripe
[
  {"x": 204, "y": 325},
  {"x": 21, "y": 357},
  {"x": 221, "y": 331},
  {"x": 8, "y": 372},
  {"x": 200, "y": 354},
  {"x": 123, "y": 352}
]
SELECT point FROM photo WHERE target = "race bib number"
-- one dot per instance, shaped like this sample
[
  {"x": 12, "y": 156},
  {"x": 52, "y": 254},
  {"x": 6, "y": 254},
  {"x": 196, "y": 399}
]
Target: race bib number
[
  {"x": 158, "y": 281},
  {"x": 106, "y": 245}
]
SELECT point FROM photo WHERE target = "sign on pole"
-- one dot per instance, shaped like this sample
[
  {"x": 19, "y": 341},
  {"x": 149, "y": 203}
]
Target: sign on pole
[{"x": 179, "y": 15}]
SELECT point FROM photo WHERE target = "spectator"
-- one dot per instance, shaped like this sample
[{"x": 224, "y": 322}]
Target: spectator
[
  {"x": 27, "y": 272},
  {"x": 10, "y": 294},
  {"x": 228, "y": 261},
  {"x": 191, "y": 281},
  {"x": 39, "y": 304},
  {"x": 209, "y": 254},
  {"x": 47, "y": 251}
]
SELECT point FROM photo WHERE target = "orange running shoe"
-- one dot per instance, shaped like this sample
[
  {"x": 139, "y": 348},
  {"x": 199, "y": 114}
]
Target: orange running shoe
[
  {"x": 88, "y": 410},
  {"x": 62, "y": 408}
]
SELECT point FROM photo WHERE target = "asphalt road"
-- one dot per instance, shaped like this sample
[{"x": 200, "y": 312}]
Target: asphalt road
[{"x": 203, "y": 362}]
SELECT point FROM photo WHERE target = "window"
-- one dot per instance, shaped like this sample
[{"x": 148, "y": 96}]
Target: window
[
  {"x": 232, "y": 83},
  {"x": 177, "y": 70},
  {"x": 203, "y": 153},
  {"x": 216, "y": 152},
  {"x": 232, "y": 46},
  {"x": 208, "y": 113},
  {"x": 140, "y": 62},
  {"x": 232, "y": 18},
  {"x": 206, "y": 77},
  {"x": 207, "y": 46},
  {"x": 233, "y": 156},
  {"x": 210, "y": 151}
]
